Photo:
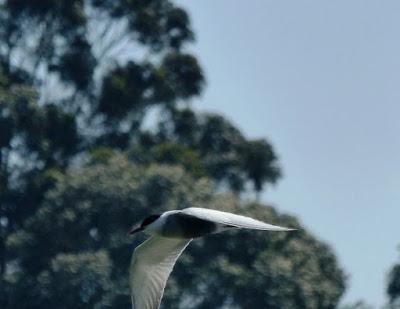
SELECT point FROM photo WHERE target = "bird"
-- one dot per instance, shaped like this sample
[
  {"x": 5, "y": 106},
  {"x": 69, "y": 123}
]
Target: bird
[{"x": 170, "y": 233}]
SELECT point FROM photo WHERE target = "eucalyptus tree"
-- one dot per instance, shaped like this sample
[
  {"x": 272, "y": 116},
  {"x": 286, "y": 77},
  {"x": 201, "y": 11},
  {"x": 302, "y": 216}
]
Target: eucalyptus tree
[{"x": 81, "y": 259}]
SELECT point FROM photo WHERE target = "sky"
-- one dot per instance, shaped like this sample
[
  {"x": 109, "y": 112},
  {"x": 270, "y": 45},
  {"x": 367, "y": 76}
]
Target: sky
[{"x": 320, "y": 80}]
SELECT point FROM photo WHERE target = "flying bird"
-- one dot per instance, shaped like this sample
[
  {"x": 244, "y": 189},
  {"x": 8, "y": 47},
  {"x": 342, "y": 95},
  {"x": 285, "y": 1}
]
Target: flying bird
[{"x": 171, "y": 232}]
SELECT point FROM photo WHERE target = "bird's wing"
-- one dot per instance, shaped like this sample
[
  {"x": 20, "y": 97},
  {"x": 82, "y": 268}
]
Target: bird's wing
[
  {"x": 227, "y": 218},
  {"x": 151, "y": 265}
]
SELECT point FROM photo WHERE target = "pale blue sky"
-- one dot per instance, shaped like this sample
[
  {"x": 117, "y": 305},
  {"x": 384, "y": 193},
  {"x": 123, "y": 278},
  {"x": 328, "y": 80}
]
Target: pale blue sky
[{"x": 321, "y": 80}]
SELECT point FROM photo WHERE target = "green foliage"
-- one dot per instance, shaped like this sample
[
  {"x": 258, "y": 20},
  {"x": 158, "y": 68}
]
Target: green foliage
[
  {"x": 393, "y": 287},
  {"x": 77, "y": 64},
  {"x": 226, "y": 155},
  {"x": 124, "y": 90},
  {"x": 70, "y": 275},
  {"x": 178, "y": 77},
  {"x": 357, "y": 305},
  {"x": 174, "y": 154},
  {"x": 85, "y": 249},
  {"x": 260, "y": 163},
  {"x": 34, "y": 139},
  {"x": 261, "y": 270},
  {"x": 78, "y": 42},
  {"x": 77, "y": 80}
]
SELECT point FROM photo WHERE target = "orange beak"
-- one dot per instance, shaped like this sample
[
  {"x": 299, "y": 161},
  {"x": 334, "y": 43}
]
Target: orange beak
[{"x": 135, "y": 229}]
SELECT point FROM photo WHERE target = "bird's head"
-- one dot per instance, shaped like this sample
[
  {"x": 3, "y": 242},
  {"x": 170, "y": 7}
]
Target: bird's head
[{"x": 141, "y": 226}]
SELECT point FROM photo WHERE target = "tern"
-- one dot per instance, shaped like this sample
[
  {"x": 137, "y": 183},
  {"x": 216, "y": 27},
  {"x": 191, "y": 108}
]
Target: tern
[{"x": 171, "y": 232}]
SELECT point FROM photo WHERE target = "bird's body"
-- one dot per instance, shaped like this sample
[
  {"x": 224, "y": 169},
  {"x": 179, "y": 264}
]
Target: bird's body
[
  {"x": 153, "y": 260},
  {"x": 180, "y": 224}
]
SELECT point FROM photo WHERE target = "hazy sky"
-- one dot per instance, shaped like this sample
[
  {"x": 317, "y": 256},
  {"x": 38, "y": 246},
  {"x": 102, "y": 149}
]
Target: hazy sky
[{"x": 321, "y": 80}]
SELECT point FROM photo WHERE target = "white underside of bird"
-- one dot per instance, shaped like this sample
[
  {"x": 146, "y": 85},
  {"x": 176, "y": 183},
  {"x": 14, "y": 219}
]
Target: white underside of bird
[{"x": 171, "y": 232}]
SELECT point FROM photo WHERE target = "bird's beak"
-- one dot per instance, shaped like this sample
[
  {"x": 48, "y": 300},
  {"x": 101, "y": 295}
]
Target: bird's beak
[{"x": 135, "y": 229}]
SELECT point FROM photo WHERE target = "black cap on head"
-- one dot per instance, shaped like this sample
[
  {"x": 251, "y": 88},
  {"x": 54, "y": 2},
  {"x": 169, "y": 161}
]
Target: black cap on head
[
  {"x": 142, "y": 225},
  {"x": 150, "y": 219}
]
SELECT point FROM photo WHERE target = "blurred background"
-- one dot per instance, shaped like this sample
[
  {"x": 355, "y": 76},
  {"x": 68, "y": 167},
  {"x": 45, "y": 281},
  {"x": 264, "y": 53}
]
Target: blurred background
[{"x": 286, "y": 111}]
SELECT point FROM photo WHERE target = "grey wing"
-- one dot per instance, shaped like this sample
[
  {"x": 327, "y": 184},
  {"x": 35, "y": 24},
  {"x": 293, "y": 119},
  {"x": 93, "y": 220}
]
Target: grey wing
[
  {"x": 151, "y": 265},
  {"x": 227, "y": 218}
]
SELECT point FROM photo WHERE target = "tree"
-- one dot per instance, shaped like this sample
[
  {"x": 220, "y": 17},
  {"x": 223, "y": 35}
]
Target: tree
[
  {"x": 225, "y": 154},
  {"x": 77, "y": 81},
  {"x": 35, "y": 139},
  {"x": 109, "y": 61},
  {"x": 86, "y": 252},
  {"x": 85, "y": 79},
  {"x": 260, "y": 163},
  {"x": 393, "y": 286},
  {"x": 77, "y": 49},
  {"x": 357, "y": 305}
]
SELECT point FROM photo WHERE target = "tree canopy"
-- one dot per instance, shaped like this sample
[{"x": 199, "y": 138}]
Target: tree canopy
[
  {"x": 91, "y": 209},
  {"x": 393, "y": 286},
  {"x": 78, "y": 163}
]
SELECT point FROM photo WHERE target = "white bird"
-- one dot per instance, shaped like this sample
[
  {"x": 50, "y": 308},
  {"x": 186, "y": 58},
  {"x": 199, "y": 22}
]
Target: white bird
[{"x": 171, "y": 231}]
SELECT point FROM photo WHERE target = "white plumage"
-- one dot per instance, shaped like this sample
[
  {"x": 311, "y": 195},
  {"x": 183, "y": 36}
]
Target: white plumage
[
  {"x": 153, "y": 260},
  {"x": 228, "y": 218}
]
